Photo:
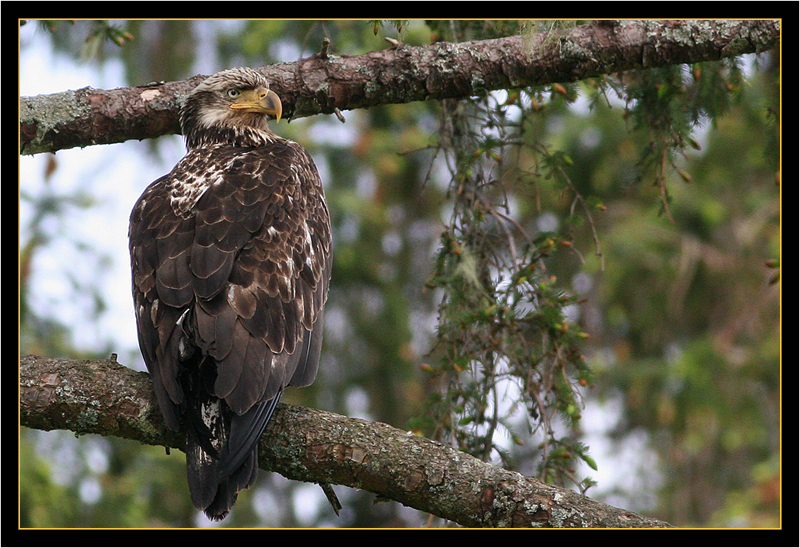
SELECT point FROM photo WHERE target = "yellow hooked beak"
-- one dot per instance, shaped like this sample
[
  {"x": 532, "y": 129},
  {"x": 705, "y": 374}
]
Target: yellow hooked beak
[{"x": 262, "y": 100}]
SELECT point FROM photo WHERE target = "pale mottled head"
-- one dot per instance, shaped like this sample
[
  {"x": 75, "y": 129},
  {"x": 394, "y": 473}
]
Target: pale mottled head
[{"x": 236, "y": 98}]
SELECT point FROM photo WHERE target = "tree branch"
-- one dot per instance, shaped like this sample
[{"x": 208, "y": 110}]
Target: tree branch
[
  {"x": 106, "y": 398},
  {"x": 329, "y": 83}
]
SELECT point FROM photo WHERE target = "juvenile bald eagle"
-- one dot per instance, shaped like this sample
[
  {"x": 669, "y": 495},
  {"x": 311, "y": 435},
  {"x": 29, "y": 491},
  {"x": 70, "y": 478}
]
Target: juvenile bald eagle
[{"x": 231, "y": 258}]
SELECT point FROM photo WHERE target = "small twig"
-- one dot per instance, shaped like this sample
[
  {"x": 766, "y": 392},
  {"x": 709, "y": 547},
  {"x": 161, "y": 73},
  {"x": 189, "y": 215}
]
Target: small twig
[
  {"x": 330, "y": 494},
  {"x": 579, "y": 197},
  {"x": 499, "y": 216},
  {"x": 339, "y": 114},
  {"x": 323, "y": 52},
  {"x": 662, "y": 184},
  {"x": 429, "y": 521},
  {"x": 566, "y": 473}
]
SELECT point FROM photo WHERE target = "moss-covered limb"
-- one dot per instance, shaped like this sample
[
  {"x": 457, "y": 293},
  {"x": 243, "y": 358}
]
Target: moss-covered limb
[
  {"x": 106, "y": 398},
  {"x": 91, "y": 397},
  {"x": 400, "y": 74}
]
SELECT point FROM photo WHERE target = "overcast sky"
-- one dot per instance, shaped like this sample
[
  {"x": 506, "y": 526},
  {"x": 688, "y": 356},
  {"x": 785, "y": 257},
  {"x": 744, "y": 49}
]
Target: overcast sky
[{"x": 114, "y": 176}]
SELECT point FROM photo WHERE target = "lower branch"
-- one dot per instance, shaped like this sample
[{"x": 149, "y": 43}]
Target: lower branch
[{"x": 106, "y": 398}]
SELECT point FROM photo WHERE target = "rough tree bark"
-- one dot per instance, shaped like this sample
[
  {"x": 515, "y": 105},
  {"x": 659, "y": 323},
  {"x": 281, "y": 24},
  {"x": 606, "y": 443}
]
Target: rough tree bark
[
  {"x": 326, "y": 83},
  {"x": 104, "y": 397}
]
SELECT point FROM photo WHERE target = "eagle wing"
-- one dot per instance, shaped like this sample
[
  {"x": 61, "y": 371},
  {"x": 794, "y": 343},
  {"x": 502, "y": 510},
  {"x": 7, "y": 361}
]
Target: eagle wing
[{"x": 231, "y": 257}]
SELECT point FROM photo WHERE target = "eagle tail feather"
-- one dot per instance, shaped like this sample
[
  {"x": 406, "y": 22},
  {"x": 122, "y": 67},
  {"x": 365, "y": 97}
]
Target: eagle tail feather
[{"x": 217, "y": 476}]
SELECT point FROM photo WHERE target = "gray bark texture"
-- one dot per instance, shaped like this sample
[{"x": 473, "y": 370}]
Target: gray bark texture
[
  {"x": 326, "y": 83},
  {"x": 106, "y": 398}
]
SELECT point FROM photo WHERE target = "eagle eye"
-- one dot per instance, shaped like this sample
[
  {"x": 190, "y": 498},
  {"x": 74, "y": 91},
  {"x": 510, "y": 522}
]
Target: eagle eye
[{"x": 233, "y": 93}]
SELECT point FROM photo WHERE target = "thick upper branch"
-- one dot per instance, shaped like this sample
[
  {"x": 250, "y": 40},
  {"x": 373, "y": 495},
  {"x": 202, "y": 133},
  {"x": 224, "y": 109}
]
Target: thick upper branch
[
  {"x": 323, "y": 84},
  {"x": 106, "y": 398}
]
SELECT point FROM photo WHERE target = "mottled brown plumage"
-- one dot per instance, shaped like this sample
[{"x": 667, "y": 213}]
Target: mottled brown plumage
[{"x": 231, "y": 258}]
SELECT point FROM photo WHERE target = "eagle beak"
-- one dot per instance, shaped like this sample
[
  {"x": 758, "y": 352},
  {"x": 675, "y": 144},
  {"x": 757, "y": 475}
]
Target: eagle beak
[
  {"x": 262, "y": 100},
  {"x": 271, "y": 104}
]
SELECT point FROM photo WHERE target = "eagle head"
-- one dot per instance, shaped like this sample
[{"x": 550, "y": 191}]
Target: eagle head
[{"x": 237, "y": 98}]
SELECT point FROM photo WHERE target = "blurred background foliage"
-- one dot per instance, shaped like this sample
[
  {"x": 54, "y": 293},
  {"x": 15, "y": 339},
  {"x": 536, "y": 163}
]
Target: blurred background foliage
[{"x": 559, "y": 279}]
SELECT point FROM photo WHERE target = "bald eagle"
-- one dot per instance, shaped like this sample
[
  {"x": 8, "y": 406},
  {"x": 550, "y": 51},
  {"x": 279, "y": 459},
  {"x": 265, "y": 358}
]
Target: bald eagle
[{"x": 231, "y": 260}]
